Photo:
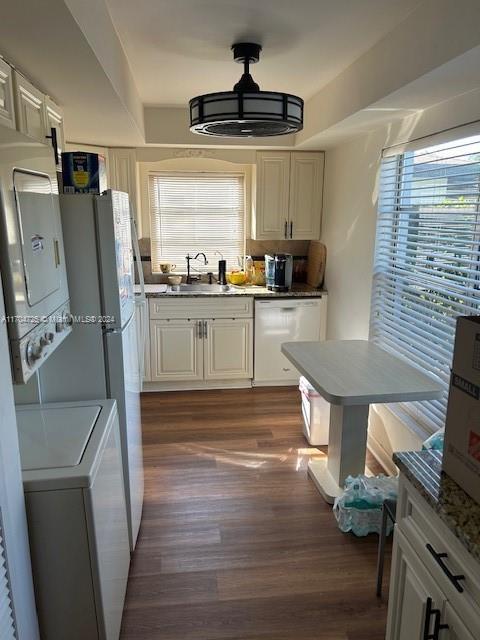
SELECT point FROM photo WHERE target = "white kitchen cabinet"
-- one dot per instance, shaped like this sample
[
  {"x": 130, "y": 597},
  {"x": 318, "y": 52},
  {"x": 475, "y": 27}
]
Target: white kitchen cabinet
[
  {"x": 201, "y": 340},
  {"x": 289, "y": 187},
  {"x": 272, "y": 199},
  {"x": 30, "y": 110},
  {"x": 433, "y": 580},
  {"x": 7, "y": 109},
  {"x": 176, "y": 350},
  {"x": 228, "y": 349},
  {"x": 456, "y": 628},
  {"x": 415, "y": 598},
  {"x": 53, "y": 115},
  {"x": 306, "y": 188},
  {"x": 123, "y": 176}
]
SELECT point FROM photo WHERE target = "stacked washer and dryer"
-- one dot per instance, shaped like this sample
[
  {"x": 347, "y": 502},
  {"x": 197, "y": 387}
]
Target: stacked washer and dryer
[{"x": 75, "y": 455}]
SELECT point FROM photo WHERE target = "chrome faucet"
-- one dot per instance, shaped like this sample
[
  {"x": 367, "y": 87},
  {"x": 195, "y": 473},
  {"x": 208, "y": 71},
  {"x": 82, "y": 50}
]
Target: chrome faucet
[{"x": 188, "y": 257}]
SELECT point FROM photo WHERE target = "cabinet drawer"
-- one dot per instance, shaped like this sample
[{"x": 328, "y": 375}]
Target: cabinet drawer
[
  {"x": 221, "y": 307},
  {"x": 429, "y": 536}
]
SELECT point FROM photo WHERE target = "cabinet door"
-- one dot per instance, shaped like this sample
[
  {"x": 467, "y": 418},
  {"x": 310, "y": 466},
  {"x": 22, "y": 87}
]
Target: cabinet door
[
  {"x": 29, "y": 102},
  {"x": 306, "y": 187},
  {"x": 228, "y": 349},
  {"x": 123, "y": 176},
  {"x": 7, "y": 112},
  {"x": 176, "y": 350},
  {"x": 270, "y": 220},
  {"x": 412, "y": 591},
  {"x": 54, "y": 120},
  {"x": 456, "y": 628}
]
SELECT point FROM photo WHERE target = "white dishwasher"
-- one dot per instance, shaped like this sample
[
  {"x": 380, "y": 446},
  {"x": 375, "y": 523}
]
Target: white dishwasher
[{"x": 282, "y": 320}]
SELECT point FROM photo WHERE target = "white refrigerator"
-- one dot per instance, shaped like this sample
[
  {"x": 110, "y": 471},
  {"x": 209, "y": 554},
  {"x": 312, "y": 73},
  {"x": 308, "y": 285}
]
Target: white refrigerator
[{"x": 100, "y": 359}]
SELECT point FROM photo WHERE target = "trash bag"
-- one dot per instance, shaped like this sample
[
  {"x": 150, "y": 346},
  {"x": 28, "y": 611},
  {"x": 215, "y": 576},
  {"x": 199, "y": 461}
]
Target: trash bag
[{"x": 359, "y": 508}]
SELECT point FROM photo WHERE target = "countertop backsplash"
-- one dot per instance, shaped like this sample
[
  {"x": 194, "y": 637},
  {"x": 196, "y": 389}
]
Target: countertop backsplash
[{"x": 253, "y": 248}]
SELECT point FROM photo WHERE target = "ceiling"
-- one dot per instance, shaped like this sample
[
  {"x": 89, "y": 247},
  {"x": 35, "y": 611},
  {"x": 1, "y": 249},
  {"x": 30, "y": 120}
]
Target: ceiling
[{"x": 180, "y": 48}]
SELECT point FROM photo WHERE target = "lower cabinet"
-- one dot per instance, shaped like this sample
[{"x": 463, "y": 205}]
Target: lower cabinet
[
  {"x": 176, "y": 350},
  {"x": 435, "y": 582},
  {"x": 228, "y": 349},
  {"x": 455, "y": 628},
  {"x": 416, "y": 600},
  {"x": 195, "y": 350}
]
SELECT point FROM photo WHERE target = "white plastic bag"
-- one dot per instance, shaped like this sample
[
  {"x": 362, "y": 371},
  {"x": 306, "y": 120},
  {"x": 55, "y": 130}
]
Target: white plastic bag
[{"x": 359, "y": 508}]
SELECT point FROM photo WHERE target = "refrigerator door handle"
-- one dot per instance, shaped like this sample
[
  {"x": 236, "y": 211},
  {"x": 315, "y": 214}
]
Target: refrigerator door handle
[{"x": 138, "y": 257}]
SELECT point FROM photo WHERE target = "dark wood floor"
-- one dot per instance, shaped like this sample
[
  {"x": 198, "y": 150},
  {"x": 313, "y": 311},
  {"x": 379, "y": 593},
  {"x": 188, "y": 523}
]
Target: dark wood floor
[{"x": 235, "y": 542}]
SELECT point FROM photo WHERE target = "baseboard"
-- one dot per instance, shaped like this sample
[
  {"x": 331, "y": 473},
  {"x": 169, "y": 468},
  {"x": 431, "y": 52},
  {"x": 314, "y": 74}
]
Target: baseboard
[
  {"x": 381, "y": 456},
  {"x": 196, "y": 385},
  {"x": 275, "y": 383}
]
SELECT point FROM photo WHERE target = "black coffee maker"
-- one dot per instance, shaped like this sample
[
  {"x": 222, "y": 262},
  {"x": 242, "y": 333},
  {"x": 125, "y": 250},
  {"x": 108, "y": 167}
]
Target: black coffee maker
[{"x": 279, "y": 271}]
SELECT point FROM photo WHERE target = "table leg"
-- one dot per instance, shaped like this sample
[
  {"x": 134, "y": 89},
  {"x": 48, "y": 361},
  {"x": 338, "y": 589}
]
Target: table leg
[{"x": 347, "y": 447}]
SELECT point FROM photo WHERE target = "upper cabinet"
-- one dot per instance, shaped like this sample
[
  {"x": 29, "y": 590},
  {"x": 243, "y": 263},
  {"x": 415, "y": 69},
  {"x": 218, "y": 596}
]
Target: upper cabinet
[
  {"x": 29, "y": 102},
  {"x": 38, "y": 116},
  {"x": 54, "y": 122},
  {"x": 288, "y": 195},
  {"x": 270, "y": 221},
  {"x": 306, "y": 190},
  {"x": 7, "y": 110},
  {"x": 123, "y": 176}
]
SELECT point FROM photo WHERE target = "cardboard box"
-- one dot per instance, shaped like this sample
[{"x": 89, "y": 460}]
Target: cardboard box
[
  {"x": 461, "y": 457},
  {"x": 83, "y": 172}
]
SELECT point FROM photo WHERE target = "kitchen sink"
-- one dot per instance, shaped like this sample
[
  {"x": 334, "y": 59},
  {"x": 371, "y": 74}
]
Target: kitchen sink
[{"x": 202, "y": 288}]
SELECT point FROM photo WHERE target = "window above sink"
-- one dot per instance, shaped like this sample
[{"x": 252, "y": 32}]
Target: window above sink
[{"x": 196, "y": 212}]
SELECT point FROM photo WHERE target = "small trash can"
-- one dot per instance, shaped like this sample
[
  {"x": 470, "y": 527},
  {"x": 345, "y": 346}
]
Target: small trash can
[{"x": 316, "y": 414}]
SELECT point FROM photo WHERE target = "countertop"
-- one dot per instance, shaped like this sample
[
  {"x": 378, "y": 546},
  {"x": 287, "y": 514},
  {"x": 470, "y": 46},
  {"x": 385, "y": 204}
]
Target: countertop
[
  {"x": 297, "y": 291},
  {"x": 456, "y": 508},
  {"x": 358, "y": 372}
]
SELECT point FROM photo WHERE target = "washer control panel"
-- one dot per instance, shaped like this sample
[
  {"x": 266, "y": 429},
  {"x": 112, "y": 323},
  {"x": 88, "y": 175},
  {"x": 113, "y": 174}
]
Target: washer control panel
[{"x": 46, "y": 335}]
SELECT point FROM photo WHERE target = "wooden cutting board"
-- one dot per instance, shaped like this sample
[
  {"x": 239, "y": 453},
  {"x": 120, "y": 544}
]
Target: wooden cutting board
[{"x": 317, "y": 258}]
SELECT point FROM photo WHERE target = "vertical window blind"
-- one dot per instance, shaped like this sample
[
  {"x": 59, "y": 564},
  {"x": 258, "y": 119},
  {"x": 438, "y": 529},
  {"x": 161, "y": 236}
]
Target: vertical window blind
[
  {"x": 7, "y": 616},
  {"x": 196, "y": 212},
  {"x": 427, "y": 259}
]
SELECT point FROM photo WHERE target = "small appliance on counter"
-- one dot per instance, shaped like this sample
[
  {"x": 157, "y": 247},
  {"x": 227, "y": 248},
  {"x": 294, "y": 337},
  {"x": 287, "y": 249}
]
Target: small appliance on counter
[
  {"x": 279, "y": 271},
  {"x": 461, "y": 456}
]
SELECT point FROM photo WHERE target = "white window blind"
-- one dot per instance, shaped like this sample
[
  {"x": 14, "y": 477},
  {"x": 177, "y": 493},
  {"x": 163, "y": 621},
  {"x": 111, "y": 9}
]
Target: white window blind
[
  {"x": 7, "y": 618},
  {"x": 427, "y": 256},
  {"x": 196, "y": 212}
]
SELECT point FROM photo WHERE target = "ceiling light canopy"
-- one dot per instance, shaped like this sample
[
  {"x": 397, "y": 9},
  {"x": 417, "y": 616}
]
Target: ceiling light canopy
[{"x": 246, "y": 112}]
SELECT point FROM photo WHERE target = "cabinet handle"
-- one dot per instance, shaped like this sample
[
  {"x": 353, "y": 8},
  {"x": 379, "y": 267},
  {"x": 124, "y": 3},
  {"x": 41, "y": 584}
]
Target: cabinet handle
[
  {"x": 437, "y": 626},
  {"x": 56, "y": 250},
  {"x": 205, "y": 331},
  {"x": 438, "y": 557},
  {"x": 285, "y": 233},
  {"x": 199, "y": 329},
  {"x": 53, "y": 138},
  {"x": 291, "y": 229}
]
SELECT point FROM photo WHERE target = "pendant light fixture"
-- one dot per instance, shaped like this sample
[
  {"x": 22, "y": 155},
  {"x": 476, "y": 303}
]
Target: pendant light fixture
[{"x": 246, "y": 112}]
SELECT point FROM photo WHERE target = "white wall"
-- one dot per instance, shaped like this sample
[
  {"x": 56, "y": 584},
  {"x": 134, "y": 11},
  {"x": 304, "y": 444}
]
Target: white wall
[{"x": 348, "y": 230}]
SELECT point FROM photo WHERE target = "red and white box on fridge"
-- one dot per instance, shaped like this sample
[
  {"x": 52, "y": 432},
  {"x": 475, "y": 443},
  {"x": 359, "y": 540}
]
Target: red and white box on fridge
[{"x": 461, "y": 457}]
